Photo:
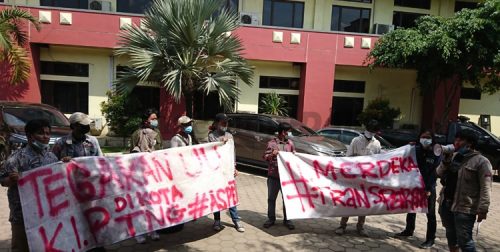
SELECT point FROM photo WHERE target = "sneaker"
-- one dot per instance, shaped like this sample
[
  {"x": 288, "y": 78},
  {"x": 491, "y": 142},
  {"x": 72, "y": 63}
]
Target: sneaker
[
  {"x": 362, "y": 232},
  {"x": 154, "y": 236},
  {"x": 405, "y": 233},
  {"x": 217, "y": 225},
  {"x": 239, "y": 227},
  {"x": 268, "y": 223},
  {"x": 141, "y": 239},
  {"x": 340, "y": 231},
  {"x": 427, "y": 244},
  {"x": 289, "y": 224}
]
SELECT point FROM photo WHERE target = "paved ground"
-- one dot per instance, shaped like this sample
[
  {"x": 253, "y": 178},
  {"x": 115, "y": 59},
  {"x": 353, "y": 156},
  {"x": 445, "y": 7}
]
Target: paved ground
[{"x": 309, "y": 235}]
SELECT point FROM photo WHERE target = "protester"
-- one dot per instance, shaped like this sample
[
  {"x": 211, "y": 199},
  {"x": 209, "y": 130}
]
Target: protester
[
  {"x": 147, "y": 139},
  {"x": 363, "y": 145},
  {"x": 183, "y": 136},
  {"x": 78, "y": 144},
  {"x": 427, "y": 163},
  {"x": 467, "y": 178},
  {"x": 277, "y": 144},
  {"x": 35, "y": 154},
  {"x": 218, "y": 133}
]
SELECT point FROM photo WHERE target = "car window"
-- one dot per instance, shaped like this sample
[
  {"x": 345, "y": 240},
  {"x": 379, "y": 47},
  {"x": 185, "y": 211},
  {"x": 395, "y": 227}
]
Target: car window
[
  {"x": 298, "y": 128},
  {"x": 267, "y": 126},
  {"x": 245, "y": 123},
  {"x": 347, "y": 137},
  {"x": 335, "y": 134},
  {"x": 18, "y": 117}
]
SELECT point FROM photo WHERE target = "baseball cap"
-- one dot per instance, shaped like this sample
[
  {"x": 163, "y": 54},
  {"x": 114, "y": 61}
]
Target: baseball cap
[
  {"x": 221, "y": 117},
  {"x": 184, "y": 120},
  {"x": 79, "y": 117}
]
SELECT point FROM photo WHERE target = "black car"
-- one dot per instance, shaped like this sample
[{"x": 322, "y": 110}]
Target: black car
[{"x": 15, "y": 115}]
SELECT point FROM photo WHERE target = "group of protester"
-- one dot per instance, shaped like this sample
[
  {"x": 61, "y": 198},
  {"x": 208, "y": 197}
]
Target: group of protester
[{"x": 466, "y": 175}]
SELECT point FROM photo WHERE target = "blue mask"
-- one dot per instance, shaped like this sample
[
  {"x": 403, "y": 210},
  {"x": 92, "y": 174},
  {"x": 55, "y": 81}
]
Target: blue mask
[
  {"x": 188, "y": 129},
  {"x": 153, "y": 123},
  {"x": 40, "y": 146}
]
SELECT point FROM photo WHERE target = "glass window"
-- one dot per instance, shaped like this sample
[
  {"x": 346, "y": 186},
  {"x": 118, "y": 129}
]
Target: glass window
[
  {"x": 405, "y": 19},
  {"x": 470, "y": 93},
  {"x": 335, "y": 134},
  {"x": 283, "y": 13},
  {"x": 345, "y": 111},
  {"x": 75, "y": 4},
  {"x": 68, "y": 97},
  {"x": 232, "y": 4},
  {"x": 350, "y": 19},
  {"x": 349, "y": 86},
  {"x": 347, "y": 137},
  {"x": 459, "y": 5},
  {"x": 421, "y": 4},
  {"x": 64, "y": 68},
  {"x": 132, "y": 6},
  {"x": 267, "y": 126},
  {"x": 279, "y": 82},
  {"x": 245, "y": 123}
]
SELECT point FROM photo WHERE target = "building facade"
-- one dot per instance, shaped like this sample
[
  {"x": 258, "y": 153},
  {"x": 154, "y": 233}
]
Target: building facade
[{"x": 312, "y": 52}]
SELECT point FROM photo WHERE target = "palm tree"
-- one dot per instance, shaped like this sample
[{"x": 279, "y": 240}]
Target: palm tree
[
  {"x": 13, "y": 38},
  {"x": 186, "y": 46},
  {"x": 273, "y": 104}
]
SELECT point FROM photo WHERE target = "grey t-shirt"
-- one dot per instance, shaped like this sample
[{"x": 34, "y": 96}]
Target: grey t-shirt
[{"x": 180, "y": 141}]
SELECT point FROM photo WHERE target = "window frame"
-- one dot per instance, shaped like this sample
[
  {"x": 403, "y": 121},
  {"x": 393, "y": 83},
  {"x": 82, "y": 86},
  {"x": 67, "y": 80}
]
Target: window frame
[
  {"x": 360, "y": 9},
  {"x": 294, "y": 3},
  {"x": 404, "y": 4},
  {"x": 83, "y": 4},
  {"x": 401, "y": 18}
]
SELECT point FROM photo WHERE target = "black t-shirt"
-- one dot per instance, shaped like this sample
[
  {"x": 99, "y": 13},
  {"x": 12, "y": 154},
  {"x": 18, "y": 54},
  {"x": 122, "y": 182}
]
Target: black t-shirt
[{"x": 452, "y": 177}]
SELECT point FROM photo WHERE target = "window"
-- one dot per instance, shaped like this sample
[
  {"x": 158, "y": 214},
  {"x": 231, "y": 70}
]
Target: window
[
  {"x": 64, "y": 68},
  {"x": 347, "y": 136},
  {"x": 359, "y": 1},
  {"x": 279, "y": 82},
  {"x": 470, "y": 93},
  {"x": 350, "y": 19},
  {"x": 459, "y": 5},
  {"x": 132, "y": 6},
  {"x": 346, "y": 110},
  {"x": 68, "y": 97},
  {"x": 405, "y": 19},
  {"x": 232, "y": 4},
  {"x": 244, "y": 123},
  {"x": 335, "y": 134},
  {"x": 292, "y": 104},
  {"x": 421, "y": 4},
  {"x": 267, "y": 126},
  {"x": 283, "y": 13},
  {"x": 75, "y": 4},
  {"x": 349, "y": 86}
]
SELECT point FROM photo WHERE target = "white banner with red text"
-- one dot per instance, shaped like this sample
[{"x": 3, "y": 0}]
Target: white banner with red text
[
  {"x": 96, "y": 201},
  {"x": 319, "y": 186}
]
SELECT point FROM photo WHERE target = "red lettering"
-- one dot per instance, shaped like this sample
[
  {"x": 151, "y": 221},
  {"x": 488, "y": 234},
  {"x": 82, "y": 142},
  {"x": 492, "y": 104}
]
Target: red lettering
[
  {"x": 106, "y": 176},
  {"x": 49, "y": 245},
  {"x": 128, "y": 219},
  {"x": 75, "y": 230},
  {"x": 98, "y": 218},
  {"x": 198, "y": 207},
  {"x": 344, "y": 167},
  {"x": 367, "y": 170},
  {"x": 150, "y": 216},
  {"x": 32, "y": 179},
  {"x": 120, "y": 204},
  {"x": 221, "y": 199},
  {"x": 51, "y": 194},
  {"x": 175, "y": 214},
  {"x": 384, "y": 168},
  {"x": 82, "y": 189},
  {"x": 164, "y": 192},
  {"x": 176, "y": 194},
  {"x": 301, "y": 187},
  {"x": 395, "y": 165},
  {"x": 410, "y": 164},
  {"x": 328, "y": 169}
]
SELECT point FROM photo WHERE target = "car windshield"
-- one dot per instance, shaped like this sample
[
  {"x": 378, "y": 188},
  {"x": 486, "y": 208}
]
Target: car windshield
[
  {"x": 19, "y": 116},
  {"x": 298, "y": 128}
]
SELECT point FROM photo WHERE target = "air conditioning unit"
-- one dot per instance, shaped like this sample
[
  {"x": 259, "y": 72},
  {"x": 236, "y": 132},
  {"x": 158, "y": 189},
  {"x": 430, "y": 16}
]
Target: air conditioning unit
[
  {"x": 249, "y": 18},
  {"x": 99, "y": 5},
  {"x": 382, "y": 28}
]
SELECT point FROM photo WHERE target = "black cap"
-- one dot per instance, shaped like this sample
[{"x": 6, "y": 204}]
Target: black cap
[{"x": 221, "y": 117}]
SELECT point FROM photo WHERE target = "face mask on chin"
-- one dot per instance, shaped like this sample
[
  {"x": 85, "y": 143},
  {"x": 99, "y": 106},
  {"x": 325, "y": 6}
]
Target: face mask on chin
[
  {"x": 426, "y": 142},
  {"x": 39, "y": 145}
]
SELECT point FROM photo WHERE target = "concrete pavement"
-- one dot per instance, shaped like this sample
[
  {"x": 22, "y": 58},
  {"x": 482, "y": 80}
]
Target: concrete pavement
[{"x": 309, "y": 235}]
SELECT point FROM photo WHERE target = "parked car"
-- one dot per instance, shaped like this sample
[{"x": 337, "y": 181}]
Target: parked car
[
  {"x": 15, "y": 115},
  {"x": 252, "y": 132},
  {"x": 345, "y": 135}
]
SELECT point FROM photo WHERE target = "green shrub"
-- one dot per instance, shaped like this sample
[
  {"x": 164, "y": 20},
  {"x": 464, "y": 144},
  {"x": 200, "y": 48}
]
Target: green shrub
[
  {"x": 122, "y": 113},
  {"x": 380, "y": 110},
  {"x": 273, "y": 104}
]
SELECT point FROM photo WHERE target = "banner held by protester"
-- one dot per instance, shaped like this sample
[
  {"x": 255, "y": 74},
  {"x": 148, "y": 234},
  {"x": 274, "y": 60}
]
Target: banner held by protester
[
  {"x": 95, "y": 201},
  {"x": 319, "y": 186}
]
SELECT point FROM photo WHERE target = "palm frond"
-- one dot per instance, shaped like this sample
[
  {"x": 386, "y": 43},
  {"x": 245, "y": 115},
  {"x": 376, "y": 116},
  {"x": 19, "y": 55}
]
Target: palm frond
[{"x": 17, "y": 58}]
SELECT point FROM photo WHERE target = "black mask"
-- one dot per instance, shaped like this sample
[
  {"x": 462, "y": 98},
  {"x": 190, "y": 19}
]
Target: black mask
[{"x": 84, "y": 129}]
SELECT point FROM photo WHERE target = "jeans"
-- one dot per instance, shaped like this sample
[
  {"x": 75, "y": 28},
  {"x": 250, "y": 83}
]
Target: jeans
[
  {"x": 273, "y": 187},
  {"x": 459, "y": 227},
  {"x": 431, "y": 218},
  {"x": 232, "y": 211}
]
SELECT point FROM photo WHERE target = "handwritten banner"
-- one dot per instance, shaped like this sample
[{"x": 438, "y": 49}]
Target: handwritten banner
[
  {"x": 95, "y": 201},
  {"x": 317, "y": 186}
]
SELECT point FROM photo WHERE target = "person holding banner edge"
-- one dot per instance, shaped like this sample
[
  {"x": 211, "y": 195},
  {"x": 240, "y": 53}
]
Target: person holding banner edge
[
  {"x": 427, "y": 164},
  {"x": 35, "y": 154},
  {"x": 277, "y": 144},
  {"x": 218, "y": 133},
  {"x": 363, "y": 145}
]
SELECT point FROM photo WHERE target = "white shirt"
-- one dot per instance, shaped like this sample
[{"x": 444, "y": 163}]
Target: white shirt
[{"x": 361, "y": 146}]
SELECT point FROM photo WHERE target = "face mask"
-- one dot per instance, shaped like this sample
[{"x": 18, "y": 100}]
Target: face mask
[
  {"x": 289, "y": 134},
  {"x": 368, "y": 134},
  {"x": 39, "y": 145},
  {"x": 463, "y": 150},
  {"x": 188, "y": 129},
  {"x": 153, "y": 123},
  {"x": 223, "y": 129},
  {"x": 85, "y": 129},
  {"x": 425, "y": 141}
]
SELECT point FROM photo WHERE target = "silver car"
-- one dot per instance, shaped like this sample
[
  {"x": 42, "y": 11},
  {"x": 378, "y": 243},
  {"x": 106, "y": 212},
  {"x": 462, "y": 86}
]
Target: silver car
[
  {"x": 345, "y": 135},
  {"x": 252, "y": 132}
]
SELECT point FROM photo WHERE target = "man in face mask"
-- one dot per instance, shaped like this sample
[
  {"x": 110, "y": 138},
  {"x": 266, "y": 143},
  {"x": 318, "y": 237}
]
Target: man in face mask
[
  {"x": 78, "y": 143},
  {"x": 183, "y": 137},
  {"x": 467, "y": 177},
  {"x": 363, "y": 145},
  {"x": 35, "y": 154}
]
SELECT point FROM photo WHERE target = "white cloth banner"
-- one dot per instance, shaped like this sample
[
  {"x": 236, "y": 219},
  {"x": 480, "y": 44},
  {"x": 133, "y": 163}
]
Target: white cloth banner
[
  {"x": 318, "y": 186},
  {"x": 95, "y": 201}
]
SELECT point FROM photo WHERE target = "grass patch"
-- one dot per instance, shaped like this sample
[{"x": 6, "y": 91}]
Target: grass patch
[{"x": 111, "y": 149}]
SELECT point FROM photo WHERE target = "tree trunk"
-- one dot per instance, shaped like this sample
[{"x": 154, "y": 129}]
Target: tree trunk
[
  {"x": 189, "y": 104},
  {"x": 449, "y": 93}
]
